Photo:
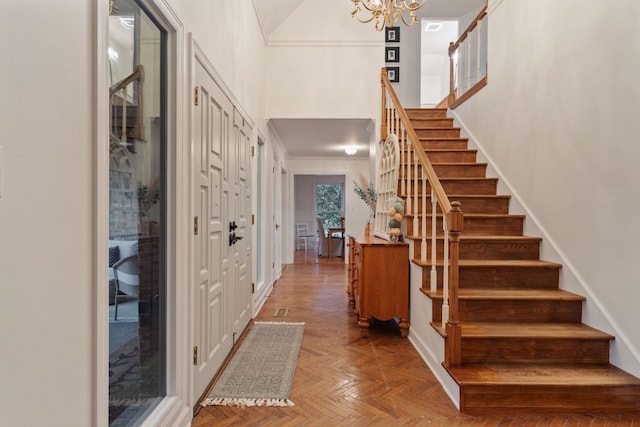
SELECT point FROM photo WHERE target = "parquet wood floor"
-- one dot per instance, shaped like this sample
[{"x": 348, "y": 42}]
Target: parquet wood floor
[{"x": 345, "y": 380}]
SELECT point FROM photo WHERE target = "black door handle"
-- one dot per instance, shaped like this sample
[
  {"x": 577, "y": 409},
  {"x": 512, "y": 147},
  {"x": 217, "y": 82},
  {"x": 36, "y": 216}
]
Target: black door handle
[{"x": 233, "y": 239}]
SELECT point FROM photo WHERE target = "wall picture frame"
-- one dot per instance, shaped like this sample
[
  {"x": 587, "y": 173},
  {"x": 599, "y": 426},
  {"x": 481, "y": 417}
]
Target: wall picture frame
[
  {"x": 392, "y": 34},
  {"x": 394, "y": 74},
  {"x": 392, "y": 53}
]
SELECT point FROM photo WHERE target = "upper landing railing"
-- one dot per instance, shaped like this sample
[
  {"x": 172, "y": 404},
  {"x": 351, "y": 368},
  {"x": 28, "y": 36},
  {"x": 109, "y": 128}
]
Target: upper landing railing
[
  {"x": 468, "y": 61},
  {"x": 416, "y": 176}
]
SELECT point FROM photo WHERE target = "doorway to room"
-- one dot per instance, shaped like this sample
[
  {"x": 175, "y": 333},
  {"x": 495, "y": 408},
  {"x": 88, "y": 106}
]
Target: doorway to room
[{"x": 318, "y": 219}]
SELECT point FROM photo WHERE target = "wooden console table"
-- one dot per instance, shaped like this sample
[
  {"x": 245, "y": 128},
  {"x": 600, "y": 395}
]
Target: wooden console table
[{"x": 378, "y": 285}]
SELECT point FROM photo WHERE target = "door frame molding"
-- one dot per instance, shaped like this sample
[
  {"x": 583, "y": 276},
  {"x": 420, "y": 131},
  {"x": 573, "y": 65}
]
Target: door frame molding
[{"x": 174, "y": 409}]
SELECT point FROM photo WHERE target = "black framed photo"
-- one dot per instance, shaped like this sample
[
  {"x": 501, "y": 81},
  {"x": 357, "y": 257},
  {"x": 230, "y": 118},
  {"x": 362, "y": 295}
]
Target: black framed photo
[
  {"x": 394, "y": 74},
  {"x": 392, "y": 34},
  {"x": 392, "y": 53}
]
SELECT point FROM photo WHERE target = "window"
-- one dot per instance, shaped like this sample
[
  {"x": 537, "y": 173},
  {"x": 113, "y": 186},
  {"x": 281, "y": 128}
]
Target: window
[
  {"x": 137, "y": 220},
  {"x": 329, "y": 199}
]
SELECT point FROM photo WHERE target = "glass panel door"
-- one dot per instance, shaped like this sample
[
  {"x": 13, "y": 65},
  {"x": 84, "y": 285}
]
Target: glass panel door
[{"x": 137, "y": 221}]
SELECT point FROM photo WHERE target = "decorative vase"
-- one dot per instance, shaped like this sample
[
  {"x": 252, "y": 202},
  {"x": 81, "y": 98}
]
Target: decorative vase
[{"x": 395, "y": 212}]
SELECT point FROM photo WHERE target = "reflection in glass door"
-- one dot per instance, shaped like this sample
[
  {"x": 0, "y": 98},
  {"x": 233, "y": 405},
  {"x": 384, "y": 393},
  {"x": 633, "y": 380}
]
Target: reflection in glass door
[{"x": 137, "y": 223}]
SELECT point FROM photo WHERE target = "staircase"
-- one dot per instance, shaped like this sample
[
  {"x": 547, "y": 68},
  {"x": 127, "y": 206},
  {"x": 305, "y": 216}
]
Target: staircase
[{"x": 524, "y": 346}]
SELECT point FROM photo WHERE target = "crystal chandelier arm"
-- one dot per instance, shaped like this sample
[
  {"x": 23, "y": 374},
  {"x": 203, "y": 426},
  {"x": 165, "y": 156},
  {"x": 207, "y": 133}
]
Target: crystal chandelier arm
[
  {"x": 370, "y": 5},
  {"x": 355, "y": 15},
  {"x": 413, "y": 16},
  {"x": 375, "y": 12}
]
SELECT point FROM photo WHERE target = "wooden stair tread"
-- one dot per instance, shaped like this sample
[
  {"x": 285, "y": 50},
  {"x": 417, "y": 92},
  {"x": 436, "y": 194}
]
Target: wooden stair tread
[
  {"x": 441, "y": 138},
  {"x": 422, "y": 127},
  {"x": 492, "y": 238},
  {"x": 509, "y": 263},
  {"x": 550, "y": 375},
  {"x": 512, "y": 294},
  {"x": 496, "y": 263},
  {"x": 470, "y": 164},
  {"x": 446, "y": 150},
  {"x": 477, "y": 215},
  {"x": 532, "y": 330},
  {"x": 483, "y": 238}
]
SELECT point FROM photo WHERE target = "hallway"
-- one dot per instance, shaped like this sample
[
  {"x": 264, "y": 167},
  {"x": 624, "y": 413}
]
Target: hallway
[{"x": 342, "y": 379}]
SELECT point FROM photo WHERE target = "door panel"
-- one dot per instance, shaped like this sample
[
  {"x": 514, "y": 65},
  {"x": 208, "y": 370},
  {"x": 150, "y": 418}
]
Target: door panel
[
  {"x": 210, "y": 134},
  {"x": 243, "y": 247}
]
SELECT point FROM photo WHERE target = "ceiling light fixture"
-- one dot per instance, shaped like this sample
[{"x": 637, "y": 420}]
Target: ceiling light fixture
[
  {"x": 433, "y": 26},
  {"x": 387, "y": 12},
  {"x": 351, "y": 150}
]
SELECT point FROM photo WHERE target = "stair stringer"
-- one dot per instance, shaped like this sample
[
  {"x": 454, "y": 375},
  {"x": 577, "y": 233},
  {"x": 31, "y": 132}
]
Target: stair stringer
[
  {"x": 425, "y": 339},
  {"x": 624, "y": 354}
]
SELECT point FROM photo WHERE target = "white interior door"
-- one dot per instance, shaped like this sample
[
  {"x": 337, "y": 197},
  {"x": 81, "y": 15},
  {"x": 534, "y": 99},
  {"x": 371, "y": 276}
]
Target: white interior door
[
  {"x": 211, "y": 138},
  {"x": 222, "y": 256},
  {"x": 240, "y": 224}
]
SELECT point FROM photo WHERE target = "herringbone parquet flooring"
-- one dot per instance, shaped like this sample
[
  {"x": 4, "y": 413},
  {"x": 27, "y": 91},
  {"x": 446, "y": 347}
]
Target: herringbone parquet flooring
[{"x": 345, "y": 380}]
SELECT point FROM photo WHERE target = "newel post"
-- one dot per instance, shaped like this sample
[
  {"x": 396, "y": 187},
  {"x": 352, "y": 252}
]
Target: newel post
[
  {"x": 383, "y": 121},
  {"x": 453, "y": 343}
]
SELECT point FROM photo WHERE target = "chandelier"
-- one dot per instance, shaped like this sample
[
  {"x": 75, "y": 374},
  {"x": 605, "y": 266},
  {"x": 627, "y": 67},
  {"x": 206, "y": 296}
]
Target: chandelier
[{"x": 387, "y": 12}]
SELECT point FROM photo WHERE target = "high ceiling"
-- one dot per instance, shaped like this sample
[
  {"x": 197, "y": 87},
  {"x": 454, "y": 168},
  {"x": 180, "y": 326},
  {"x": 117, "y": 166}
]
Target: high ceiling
[{"x": 326, "y": 138}]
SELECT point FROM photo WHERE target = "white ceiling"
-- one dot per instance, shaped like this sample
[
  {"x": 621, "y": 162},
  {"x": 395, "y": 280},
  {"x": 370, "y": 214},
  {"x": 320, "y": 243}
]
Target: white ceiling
[
  {"x": 323, "y": 137},
  {"x": 326, "y": 138}
]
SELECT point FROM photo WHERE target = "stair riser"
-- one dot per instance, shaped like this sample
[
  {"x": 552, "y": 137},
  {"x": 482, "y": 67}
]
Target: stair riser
[
  {"x": 545, "y": 350},
  {"x": 521, "y": 398},
  {"x": 468, "y": 156},
  {"x": 444, "y": 144},
  {"x": 438, "y": 133},
  {"x": 417, "y": 113},
  {"x": 466, "y": 187},
  {"x": 496, "y": 250},
  {"x": 500, "y": 277},
  {"x": 471, "y": 170},
  {"x": 492, "y": 226},
  {"x": 438, "y": 122},
  {"x": 513, "y": 310},
  {"x": 455, "y": 186},
  {"x": 470, "y": 205}
]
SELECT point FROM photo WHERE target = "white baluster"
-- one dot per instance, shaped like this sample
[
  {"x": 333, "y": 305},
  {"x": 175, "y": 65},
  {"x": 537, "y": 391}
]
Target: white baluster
[
  {"x": 434, "y": 272},
  {"x": 468, "y": 63},
  {"x": 445, "y": 273},
  {"x": 479, "y": 34},
  {"x": 423, "y": 243},
  {"x": 404, "y": 154},
  {"x": 123, "y": 137},
  {"x": 416, "y": 167}
]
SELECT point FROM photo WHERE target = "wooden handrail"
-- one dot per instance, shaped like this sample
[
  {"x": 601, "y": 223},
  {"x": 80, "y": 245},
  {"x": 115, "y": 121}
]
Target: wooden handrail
[
  {"x": 453, "y": 218},
  {"x": 454, "y": 100},
  {"x": 137, "y": 75},
  {"x": 465, "y": 33},
  {"x": 441, "y": 195}
]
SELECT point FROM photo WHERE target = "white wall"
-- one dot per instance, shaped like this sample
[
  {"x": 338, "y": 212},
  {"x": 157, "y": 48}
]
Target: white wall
[
  {"x": 46, "y": 216},
  {"x": 321, "y": 63},
  {"x": 559, "y": 119}
]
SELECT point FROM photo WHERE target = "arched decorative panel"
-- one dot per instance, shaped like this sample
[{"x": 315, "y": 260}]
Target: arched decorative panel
[{"x": 387, "y": 183}]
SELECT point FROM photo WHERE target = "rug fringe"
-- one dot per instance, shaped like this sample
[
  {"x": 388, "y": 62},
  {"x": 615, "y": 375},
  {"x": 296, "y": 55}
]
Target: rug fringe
[
  {"x": 278, "y": 323},
  {"x": 246, "y": 402}
]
